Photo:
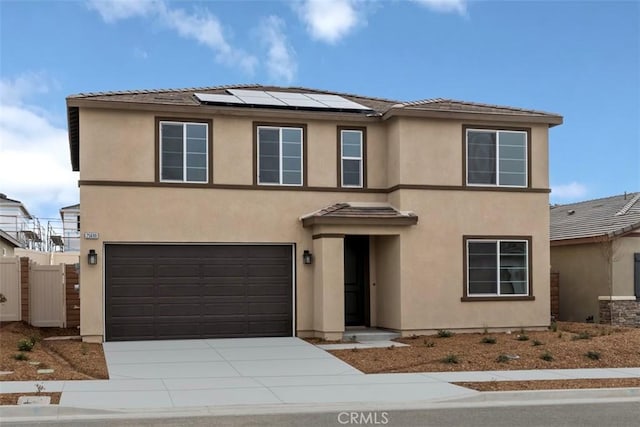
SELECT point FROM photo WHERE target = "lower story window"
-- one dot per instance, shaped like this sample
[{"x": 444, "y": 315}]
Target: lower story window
[{"x": 497, "y": 267}]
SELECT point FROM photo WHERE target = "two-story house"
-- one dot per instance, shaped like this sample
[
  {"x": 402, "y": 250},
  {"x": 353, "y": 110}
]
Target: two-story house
[{"x": 246, "y": 211}]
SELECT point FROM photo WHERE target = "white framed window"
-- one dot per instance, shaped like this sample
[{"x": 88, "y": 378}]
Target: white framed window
[
  {"x": 184, "y": 152},
  {"x": 497, "y": 267},
  {"x": 280, "y": 154},
  {"x": 496, "y": 157},
  {"x": 351, "y": 158}
]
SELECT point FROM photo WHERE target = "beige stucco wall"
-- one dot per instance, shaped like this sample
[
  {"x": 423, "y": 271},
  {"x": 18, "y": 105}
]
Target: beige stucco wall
[
  {"x": 623, "y": 265},
  {"x": 584, "y": 274},
  {"x": 583, "y": 278},
  {"x": 418, "y": 270},
  {"x": 49, "y": 258},
  {"x": 432, "y": 283}
]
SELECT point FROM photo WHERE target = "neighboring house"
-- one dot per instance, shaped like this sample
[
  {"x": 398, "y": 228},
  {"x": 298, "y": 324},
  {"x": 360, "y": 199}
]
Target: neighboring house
[
  {"x": 16, "y": 221},
  {"x": 268, "y": 211},
  {"x": 71, "y": 227},
  {"x": 595, "y": 246},
  {"x": 8, "y": 244}
]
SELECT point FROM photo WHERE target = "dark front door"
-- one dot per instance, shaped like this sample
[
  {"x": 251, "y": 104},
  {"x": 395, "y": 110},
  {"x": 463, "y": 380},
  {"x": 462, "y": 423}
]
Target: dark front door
[
  {"x": 356, "y": 280},
  {"x": 198, "y": 291}
]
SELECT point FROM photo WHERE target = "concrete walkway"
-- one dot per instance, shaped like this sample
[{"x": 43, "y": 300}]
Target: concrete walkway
[{"x": 261, "y": 371}]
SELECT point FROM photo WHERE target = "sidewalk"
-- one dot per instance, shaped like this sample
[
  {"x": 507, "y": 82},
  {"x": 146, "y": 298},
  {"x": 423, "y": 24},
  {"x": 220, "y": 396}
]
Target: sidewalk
[{"x": 285, "y": 390}]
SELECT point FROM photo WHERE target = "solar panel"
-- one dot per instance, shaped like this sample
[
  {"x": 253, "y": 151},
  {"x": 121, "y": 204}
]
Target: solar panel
[
  {"x": 240, "y": 93},
  {"x": 216, "y": 98},
  {"x": 259, "y": 100},
  {"x": 335, "y": 101},
  {"x": 282, "y": 99}
]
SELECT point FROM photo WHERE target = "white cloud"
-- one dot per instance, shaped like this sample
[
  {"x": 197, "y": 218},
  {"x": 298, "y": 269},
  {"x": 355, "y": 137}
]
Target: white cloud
[
  {"x": 457, "y": 6},
  {"x": 329, "y": 20},
  {"x": 571, "y": 191},
  {"x": 115, "y": 10},
  {"x": 281, "y": 62},
  {"x": 206, "y": 29},
  {"x": 34, "y": 154},
  {"x": 201, "y": 26}
]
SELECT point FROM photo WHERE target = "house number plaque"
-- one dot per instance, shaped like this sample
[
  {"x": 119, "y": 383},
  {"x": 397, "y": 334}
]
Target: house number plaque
[{"x": 91, "y": 235}]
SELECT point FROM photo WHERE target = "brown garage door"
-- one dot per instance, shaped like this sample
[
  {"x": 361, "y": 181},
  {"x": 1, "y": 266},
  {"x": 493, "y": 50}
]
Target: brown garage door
[{"x": 197, "y": 291}]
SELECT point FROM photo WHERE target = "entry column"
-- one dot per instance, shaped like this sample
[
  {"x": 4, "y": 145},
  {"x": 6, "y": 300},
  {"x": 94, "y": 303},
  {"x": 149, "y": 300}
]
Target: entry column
[{"x": 328, "y": 286}]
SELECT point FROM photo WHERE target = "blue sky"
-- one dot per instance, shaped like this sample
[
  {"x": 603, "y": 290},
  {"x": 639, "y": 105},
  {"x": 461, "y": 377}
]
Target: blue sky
[{"x": 580, "y": 59}]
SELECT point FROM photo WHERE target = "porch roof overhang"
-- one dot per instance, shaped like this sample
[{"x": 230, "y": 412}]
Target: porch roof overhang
[{"x": 359, "y": 213}]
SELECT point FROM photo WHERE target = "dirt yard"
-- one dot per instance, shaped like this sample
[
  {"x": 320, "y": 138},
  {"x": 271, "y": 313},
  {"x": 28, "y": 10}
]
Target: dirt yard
[
  {"x": 70, "y": 359},
  {"x": 565, "y": 345}
]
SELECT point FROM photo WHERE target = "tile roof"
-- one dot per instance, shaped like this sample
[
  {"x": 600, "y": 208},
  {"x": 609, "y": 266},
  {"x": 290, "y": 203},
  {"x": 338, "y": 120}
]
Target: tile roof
[
  {"x": 360, "y": 211},
  {"x": 185, "y": 97},
  {"x": 606, "y": 217},
  {"x": 441, "y": 104}
]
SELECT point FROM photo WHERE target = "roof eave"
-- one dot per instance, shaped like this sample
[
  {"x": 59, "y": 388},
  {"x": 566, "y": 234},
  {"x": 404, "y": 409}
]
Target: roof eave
[
  {"x": 550, "y": 120},
  {"x": 337, "y": 220}
]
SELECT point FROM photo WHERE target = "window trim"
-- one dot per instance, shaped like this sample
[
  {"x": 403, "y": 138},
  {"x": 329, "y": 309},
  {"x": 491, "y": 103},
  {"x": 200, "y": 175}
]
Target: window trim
[
  {"x": 363, "y": 156},
  {"x": 158, "y": 153},
  {"x": 465, "y": 173},
  {"x": 256, "y": 154},
  {"x": 466, "y": 297}
]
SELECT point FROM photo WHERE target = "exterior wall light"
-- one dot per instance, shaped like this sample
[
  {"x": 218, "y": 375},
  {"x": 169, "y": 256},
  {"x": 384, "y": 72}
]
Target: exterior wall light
[
  {"x": 307, "y": 257},
  {"x": 92, "y": 257}
]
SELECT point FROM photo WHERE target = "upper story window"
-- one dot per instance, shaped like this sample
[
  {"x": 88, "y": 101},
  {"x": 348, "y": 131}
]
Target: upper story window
[
  {"x": 280, "y": 155},
  {"x": 497, "y": 157},
  {"x": 497, "y": 267},
  {"x": 184, "y": 150},
  {"x": 351, "y": 162}
]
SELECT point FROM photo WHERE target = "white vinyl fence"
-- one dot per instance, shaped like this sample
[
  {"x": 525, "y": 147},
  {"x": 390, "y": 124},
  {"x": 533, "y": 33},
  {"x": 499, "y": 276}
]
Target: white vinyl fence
[
  {"x": 10, "y": 310},
  {"x": 47, "y": 303}
]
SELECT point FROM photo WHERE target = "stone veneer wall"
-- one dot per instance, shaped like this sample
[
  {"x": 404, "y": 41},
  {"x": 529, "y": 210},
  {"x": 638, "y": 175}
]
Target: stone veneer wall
[{"x": 620, "y": 312}]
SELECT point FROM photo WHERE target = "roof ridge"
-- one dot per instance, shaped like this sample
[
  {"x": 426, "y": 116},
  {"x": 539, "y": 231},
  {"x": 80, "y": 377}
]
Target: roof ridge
[
  {"x": 221, "y": 87},
  {"x": 629, "y": 205},
  {"x": 591, "y": 200},
  {"x": 477, "y": 104},
  {"x": 145, "y": 91}
]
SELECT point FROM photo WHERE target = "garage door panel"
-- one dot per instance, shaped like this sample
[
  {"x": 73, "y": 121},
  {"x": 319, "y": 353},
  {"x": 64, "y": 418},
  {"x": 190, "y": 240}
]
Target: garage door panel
[
  {"x": 132, "y": 290},
  {"x": 131, "y": 270},
  {"x": 119, "y": 311},
  {"x": 198, "y": 291}
]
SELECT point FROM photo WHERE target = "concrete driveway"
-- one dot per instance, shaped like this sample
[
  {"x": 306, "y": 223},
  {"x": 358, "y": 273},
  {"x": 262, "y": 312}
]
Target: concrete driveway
[{"x": 247, "y": 371}]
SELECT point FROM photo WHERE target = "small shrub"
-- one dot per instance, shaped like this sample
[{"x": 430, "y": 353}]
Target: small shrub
[
  {"x": 582, "y": 336},
  {"x": 488, "y": 340},
  {"x": 355, "y": 349},
  {"x": 503, "y": 358},
  {"x": 523, "y": 337},
  {"x": 554, "y": 327},
  {"x": 429, "y": 344},
  {"x": 25, "y": 344},
  {"x": 450, "y": 358},
  {"x": 593, "y": 355},
  {"x": 35, "y": 338},
  {"x": 20, "y": 356},
  {"x": 444, "y": 333},
  {"x": 536, "y": 343},
  {"x": 391, "y": 347},
  {"x": 546, "y": 356}
]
